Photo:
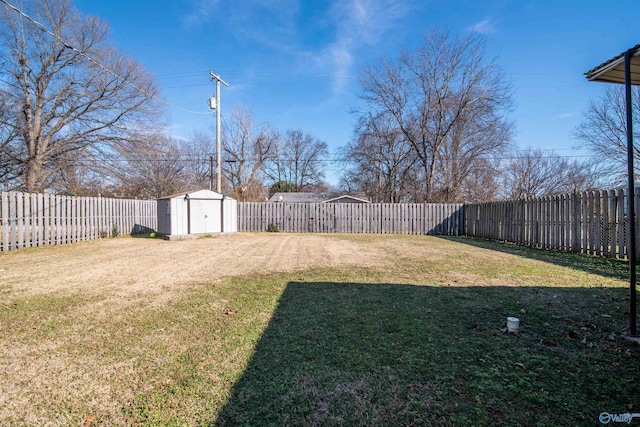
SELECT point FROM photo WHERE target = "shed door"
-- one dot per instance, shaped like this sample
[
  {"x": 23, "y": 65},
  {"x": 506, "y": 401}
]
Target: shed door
[{"x": 205, "y": 216}]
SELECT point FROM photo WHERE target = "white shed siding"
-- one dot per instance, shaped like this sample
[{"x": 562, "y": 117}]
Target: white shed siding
[
  {"x": 230, "y": 220},
  {"x": 198, "y": 212},
  {"x": 164, "y": 216},
  {"x": 205, "y": 216},
  {"x": 179, "y": 224}
]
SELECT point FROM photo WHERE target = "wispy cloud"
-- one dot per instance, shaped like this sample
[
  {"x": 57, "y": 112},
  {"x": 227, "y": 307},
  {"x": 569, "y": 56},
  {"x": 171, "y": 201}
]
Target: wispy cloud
[
  {"x": 271, "y": 23},
  {"x": 351, "y": 26},
  {"x": 564, "y": 116},
  {"x": 341, "y": 60},
  {"x": 201, "y": 11},
  {"x": 268, "y": 22},
  {"x": 486, "y": 26},
  {"x": 358, "y": 23}
]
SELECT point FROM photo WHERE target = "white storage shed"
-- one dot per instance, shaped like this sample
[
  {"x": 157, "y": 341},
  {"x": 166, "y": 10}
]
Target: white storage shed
[{"x": 196, "y": 213}]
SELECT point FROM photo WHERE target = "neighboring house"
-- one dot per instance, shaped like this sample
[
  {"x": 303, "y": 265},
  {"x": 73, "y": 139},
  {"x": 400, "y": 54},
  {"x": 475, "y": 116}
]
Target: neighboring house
[
  {"x": 333, "y": 197},
  {"x": 625, "y": 188}
]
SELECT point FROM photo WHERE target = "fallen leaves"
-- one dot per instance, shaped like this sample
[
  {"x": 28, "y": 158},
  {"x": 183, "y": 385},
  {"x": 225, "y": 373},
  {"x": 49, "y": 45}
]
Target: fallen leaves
[
  {"x": 89, "y": 420},
  {"x": 573, "y": 335}
]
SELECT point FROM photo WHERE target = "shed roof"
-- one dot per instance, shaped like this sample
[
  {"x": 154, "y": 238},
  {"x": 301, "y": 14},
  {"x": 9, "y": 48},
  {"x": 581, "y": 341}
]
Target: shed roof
[
  {"x": 612, "y": 71},
  {"x": 196, "y": 194}
]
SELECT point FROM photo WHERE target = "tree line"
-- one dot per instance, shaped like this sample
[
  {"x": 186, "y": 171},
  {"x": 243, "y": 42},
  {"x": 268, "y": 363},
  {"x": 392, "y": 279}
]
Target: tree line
[{"x": 77, "y": 116}]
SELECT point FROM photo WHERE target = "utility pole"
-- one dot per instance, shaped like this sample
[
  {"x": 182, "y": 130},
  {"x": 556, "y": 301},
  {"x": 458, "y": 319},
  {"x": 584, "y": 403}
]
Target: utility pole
[
  {"x": 215, "y": 103},
  {"x": 211, "y": 172}
]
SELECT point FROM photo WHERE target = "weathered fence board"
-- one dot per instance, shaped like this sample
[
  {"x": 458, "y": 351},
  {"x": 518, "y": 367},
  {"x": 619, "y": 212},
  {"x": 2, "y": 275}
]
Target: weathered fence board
[
  {"x": 29, "y": 220},
  {"x": 382, "y": 218},
  {"x": 593, "y": 222}
]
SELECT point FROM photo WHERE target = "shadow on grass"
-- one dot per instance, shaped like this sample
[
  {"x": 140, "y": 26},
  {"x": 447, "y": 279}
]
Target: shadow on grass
[
  {"x": 141, "y": 236},
  {"x": 614, "y": 268},
  {"x": 394, "y": 354}
]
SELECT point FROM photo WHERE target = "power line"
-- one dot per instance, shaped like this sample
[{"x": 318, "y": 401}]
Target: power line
[
  {"x": 205, "y": 159},
  {"x": 182, "y": 74},
  {"x": 84, "y": 55}
]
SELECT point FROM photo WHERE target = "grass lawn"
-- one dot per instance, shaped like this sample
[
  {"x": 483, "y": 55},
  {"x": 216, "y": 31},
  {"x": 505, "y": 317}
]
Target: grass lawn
[{"x": 417, "y": 340}]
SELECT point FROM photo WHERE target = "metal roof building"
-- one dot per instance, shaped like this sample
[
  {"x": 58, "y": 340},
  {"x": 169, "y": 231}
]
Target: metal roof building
[
  {"x": 195, "y": 213},
  {"x": 331, "y": 197}
]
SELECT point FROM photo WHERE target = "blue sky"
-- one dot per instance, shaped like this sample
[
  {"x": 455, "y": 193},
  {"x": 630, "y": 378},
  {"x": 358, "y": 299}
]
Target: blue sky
[{"x": 295, "y": 63}]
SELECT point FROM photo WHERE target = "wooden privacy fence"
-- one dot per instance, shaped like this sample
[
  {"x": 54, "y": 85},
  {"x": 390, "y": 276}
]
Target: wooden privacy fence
[
  {"x": 592, "y": 222},
  {"x": 28, "y": 220},
  {"x": 401, "y": 218}
]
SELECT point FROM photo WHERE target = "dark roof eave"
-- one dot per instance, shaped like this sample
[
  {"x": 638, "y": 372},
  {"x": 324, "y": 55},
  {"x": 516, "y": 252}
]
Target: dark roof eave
[
  {"x": 596, "y": 72},
  {"x": 346, "y": 196}
]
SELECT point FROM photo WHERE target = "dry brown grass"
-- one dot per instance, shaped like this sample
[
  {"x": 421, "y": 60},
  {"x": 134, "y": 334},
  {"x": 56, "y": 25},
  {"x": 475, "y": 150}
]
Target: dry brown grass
[
  {"x": 82, "y": 296},
  {"x": 130, "y": 269},
  {"x": 130, "y": 328}
]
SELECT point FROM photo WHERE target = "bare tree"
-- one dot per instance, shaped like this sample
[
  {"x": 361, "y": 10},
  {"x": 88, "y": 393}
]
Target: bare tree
[
  {"x": 604, "y": 128},
  {"x": 151, "y": 168},
  {"x": 298, "y": 160},
  {"x": 468, "y": 153},
  {"x": 246, "y": 148},
  {"x": 379, "y": 162},
  {"x": 197, "y": 153},
  {"x": 536, "y": 173},
  {"x": 482, "y": 183},
  {"x": 10, "y": 166},
  {"x": 71, "y": 89},
  {"x": 448, "y": 102},
  {"x": 154, "y": 166},
  {"x": 82, "y": 177}
]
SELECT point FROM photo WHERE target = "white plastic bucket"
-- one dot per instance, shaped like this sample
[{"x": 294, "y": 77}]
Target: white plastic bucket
[{"x": 513, "y": 323}]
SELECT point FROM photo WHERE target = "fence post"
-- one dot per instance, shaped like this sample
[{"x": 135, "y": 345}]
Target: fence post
[
  {"x": 4, "y": 210},
  {"x": 621, "y": 228}
]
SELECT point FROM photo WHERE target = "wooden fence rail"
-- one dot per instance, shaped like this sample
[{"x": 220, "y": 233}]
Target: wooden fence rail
[
  {"x": 402, "y": 218},
  {"x": 592, "y": 222},
  {"x": 28, "y": 220}
]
